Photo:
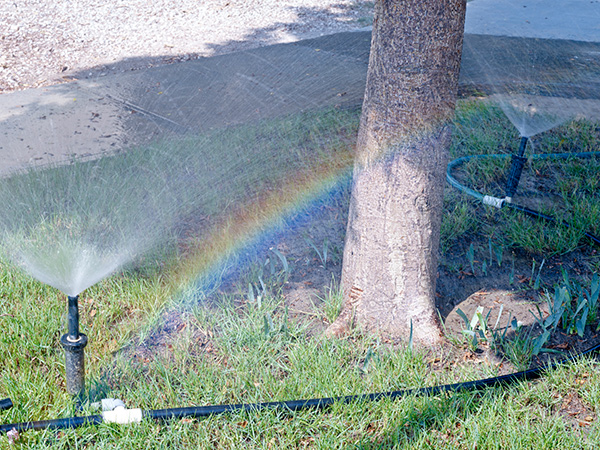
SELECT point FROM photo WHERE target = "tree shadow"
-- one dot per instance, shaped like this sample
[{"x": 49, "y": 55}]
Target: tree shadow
[
  {"x": 26, "y": 116},
  {"x": 310, "y": 23}
]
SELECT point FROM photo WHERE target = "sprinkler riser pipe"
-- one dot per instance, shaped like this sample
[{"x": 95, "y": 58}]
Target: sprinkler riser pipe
[
  {"x": 74, "y": 363},
  {"x": 73, "y": 318},
  {"x": 516, "y": 169},
  {"x": 74, "y": 342},
  {"x": 522, "y": 145}
]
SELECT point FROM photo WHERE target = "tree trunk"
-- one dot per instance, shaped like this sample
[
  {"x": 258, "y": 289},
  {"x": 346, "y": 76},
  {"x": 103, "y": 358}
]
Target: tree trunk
[{"x": 391, "y": 252}]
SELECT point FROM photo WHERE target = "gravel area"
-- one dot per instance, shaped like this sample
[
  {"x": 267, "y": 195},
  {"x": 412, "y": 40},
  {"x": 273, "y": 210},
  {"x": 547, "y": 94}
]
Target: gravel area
[{"x": 45, "y": 42}]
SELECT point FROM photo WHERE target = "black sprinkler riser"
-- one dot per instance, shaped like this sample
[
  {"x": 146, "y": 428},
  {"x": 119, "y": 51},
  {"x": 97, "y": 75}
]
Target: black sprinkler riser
[
  {"x": 74, "y": 363},
  {"x": 73, "y": 318},
  {"x": 74, "y": 342},
  {"x": 516, "y": 169}
]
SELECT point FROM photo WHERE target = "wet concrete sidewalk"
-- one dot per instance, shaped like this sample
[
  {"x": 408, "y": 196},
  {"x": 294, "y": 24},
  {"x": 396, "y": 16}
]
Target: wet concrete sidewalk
[
  {"x": 99, "y": 116},
  {"x": 92, "y": 117}
]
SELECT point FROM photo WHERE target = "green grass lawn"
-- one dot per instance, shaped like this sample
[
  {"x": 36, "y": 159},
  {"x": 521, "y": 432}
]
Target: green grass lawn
[{"x": 154, "y": 344}]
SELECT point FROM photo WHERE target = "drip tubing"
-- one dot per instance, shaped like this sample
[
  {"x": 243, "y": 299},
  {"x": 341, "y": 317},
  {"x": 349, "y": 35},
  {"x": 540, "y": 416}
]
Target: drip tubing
[
  {"x": 6, "y": 404},
  {"x": 293, "y": 405},
  {"x": 320, "y": 403},
  {"x": 68, "y": 422},
  {"x": 537, "y": 214}
]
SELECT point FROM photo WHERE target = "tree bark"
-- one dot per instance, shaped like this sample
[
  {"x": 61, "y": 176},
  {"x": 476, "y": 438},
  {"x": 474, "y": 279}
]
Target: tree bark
[{"x": 392, "y": 241}]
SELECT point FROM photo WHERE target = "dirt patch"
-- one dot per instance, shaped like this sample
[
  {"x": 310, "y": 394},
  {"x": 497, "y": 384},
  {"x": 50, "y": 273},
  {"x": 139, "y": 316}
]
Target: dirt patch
[
  {"x": 574, "y": 411},
  {"x": 501, "y": 305}
]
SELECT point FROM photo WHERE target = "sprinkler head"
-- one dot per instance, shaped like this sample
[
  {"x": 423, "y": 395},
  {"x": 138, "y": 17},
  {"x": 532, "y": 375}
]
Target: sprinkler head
[
  {"x": 516, "y": 168},
  {"x": 74, "y": 363},
  {"x": 74, "y": 342}
]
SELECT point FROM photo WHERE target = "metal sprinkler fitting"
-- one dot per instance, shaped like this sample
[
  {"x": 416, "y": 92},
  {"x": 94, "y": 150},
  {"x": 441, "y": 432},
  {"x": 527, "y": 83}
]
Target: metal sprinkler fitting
[{"x": 74, "y": 342}]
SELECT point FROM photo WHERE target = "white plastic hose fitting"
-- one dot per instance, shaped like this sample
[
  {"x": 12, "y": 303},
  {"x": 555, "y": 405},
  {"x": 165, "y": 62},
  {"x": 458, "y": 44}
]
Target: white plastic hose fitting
[
  {"x": 122, "y": 415},
  {"x": 493, "y": 201}
]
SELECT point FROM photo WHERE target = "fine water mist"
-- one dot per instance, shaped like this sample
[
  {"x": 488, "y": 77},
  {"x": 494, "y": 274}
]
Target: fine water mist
[
  {"x": 539, "y": 82},
  {"x": 100, "y": 173},
  {"x": 71, "y": 225}
]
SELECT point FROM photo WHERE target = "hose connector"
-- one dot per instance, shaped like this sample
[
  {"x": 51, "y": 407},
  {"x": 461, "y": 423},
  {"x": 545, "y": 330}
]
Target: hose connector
[
  {"x": 108, "y": 404},
  {"x": 493, "y": 201},
  {"x": 114, "y": 411},
  {"x": 122, "y": 415}
]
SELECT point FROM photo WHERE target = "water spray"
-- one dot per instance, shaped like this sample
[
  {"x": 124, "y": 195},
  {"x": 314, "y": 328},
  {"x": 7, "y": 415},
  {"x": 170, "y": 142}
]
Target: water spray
[{"x": 74, "y": 342}]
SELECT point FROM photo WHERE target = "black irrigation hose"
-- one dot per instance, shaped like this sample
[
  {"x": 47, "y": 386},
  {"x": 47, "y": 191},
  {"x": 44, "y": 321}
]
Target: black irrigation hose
[
  {"x": 68, "y": 422},
  {"x": 539, "y": 215},
  {"x": 5, "y": 404},
  {"x": 320, "y": 403},
  {"x": 478, "y": 195},
  {"x": 296, "y": 405}
]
